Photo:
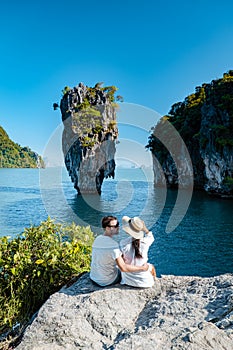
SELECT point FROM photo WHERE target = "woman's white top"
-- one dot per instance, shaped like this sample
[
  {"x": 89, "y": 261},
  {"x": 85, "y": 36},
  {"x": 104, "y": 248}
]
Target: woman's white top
[{"x": 142, "y": 278}]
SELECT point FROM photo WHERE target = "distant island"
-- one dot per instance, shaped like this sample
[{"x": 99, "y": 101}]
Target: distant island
[{"x": 12, "y": 155}]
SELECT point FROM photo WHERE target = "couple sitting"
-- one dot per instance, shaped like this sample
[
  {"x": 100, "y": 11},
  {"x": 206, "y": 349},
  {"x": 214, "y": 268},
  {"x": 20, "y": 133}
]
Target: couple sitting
[{"x": 127, "y": 263}]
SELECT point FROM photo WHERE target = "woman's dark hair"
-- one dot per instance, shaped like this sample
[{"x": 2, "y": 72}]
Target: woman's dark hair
[
  {"x": 136, "y": 246},
  {"x": 107, "y": 219}
]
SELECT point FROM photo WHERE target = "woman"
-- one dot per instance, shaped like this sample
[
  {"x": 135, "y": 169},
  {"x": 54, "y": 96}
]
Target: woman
[
  {"x": 135, "y": 252},
  {"x": 106, "y": 261}
]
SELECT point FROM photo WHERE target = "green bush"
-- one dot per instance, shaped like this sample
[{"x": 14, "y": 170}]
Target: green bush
[
  {"x": 228, "y": 181},
  {"x": 36, "y": 264},
  {"x": 112, "y": 125},
  {"x": 65, "y": 90}
]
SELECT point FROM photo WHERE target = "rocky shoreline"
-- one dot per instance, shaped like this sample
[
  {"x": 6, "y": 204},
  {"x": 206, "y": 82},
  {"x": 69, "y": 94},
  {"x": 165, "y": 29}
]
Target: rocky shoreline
[{"x": 179, "y": 312}]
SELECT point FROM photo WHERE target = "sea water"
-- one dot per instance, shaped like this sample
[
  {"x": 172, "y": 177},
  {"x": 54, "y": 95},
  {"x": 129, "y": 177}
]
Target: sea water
[{"x": 201, "y": 243}]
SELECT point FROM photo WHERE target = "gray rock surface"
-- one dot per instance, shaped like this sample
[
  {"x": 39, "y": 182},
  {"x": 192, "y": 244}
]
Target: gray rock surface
[{"x": 177, "y": 313}]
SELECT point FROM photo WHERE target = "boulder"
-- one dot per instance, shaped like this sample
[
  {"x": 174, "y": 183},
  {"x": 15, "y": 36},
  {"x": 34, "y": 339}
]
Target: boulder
[{"x": 179, "y": 312}]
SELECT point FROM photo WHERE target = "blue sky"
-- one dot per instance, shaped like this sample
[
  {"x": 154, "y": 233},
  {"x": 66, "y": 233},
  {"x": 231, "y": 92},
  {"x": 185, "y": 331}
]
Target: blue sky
[{"x": 155, "y": 52}]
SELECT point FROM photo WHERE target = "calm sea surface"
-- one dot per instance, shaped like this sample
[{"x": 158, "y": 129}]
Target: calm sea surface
[{"x": 202, "y": 244}]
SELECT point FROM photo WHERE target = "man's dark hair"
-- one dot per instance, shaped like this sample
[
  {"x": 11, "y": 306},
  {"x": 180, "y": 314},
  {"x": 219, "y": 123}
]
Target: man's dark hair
[{"x": 107, "y": 219}]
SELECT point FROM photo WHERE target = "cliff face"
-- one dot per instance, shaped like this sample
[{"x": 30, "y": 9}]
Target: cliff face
[
  {"x": 89, "y": 135},
  {"x": 178, "y": 312},
  {"x": 217, "y": 158},
  {"x": 204, "y": 121}
]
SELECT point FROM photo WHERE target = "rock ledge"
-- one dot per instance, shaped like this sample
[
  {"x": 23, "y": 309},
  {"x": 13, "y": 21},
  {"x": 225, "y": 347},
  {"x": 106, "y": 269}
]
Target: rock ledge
[{"x": 182, "y": 313}]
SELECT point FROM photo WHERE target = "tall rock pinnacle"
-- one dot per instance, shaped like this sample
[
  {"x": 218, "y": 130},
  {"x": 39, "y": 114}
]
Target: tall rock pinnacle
[{"x": 89, "y": 135}]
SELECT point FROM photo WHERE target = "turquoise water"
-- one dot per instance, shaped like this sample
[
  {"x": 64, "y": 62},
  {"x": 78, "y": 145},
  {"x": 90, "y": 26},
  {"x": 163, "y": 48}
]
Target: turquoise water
[{"x": 202, "y": 244}]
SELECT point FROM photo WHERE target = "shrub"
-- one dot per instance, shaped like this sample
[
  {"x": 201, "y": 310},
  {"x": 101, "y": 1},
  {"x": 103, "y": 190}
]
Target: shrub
[
  {"x": 228, "y": 181},
  {"x": 65, "y": 90},
  {"x": 112, "y": 125},
  {"x": 36, "y": 264}
]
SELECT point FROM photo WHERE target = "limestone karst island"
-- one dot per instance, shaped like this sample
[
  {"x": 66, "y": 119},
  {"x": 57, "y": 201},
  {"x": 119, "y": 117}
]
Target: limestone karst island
[
  {"x": 89, "y": 136},
  {"x": 204, "y": 120}
]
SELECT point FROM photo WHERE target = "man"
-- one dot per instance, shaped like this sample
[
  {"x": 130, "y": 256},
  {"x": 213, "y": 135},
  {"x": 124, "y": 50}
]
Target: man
[{"x": 107, "y": 262}]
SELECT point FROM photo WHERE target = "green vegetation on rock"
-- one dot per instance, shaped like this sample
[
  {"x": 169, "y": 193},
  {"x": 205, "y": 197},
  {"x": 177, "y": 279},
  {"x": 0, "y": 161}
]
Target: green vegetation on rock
[
  {"x": 186, "y": 116},
  {"x": 12, "y": 155},
  {"x": 88, "y": 110}
]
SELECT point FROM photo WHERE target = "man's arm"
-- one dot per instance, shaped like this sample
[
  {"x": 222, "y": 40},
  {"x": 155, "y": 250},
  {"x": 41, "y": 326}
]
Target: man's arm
[{"x": 130, "y": 268}]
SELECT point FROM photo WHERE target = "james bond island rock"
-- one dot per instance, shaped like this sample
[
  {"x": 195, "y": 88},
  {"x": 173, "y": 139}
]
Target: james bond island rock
[
  {"x": 204, "y": 121},
  {"x": 179, "y": 312},
  {"x": 89, "y": 136}
]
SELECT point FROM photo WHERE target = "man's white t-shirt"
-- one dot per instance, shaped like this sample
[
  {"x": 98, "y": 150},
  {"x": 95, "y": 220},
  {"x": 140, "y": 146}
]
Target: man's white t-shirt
[
  {"x": 142, "y": 278},
  {"x": 105, "y": 251}
]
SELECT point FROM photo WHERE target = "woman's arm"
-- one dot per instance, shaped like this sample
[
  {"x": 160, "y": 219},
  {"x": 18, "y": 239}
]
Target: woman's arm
[
  {"x": 145, "y": 229},
  {"x": 148, "y": 238},
  {"x": 130, "y": 268}
]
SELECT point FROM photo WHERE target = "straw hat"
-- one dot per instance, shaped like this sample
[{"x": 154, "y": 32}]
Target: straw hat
[{"x": 133, "y": 226}]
